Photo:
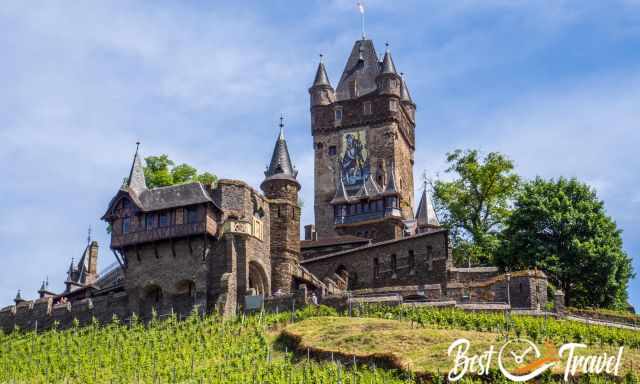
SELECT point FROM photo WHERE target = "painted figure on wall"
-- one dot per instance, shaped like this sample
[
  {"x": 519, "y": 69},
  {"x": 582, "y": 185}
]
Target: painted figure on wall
[{"x": 355, "y": 162}]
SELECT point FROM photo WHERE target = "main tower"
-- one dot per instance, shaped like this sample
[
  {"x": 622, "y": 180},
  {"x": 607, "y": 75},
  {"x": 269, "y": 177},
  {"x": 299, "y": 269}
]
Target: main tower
[{"x": 364, "y": 141}]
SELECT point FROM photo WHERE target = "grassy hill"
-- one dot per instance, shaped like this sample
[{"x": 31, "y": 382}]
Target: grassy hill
[
  {"x": 248, "y": 349},
  {"x": 405, "y": 345}
]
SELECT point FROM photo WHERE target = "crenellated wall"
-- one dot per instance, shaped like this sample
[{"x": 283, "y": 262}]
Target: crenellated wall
[{"x": 43, "y": 314}]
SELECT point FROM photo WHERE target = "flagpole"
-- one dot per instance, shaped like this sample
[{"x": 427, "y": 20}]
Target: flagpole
[{"x": 361, "y": 9}]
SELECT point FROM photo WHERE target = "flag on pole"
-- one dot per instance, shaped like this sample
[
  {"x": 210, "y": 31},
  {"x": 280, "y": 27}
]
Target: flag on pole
[{"x": 361, "y": 7}]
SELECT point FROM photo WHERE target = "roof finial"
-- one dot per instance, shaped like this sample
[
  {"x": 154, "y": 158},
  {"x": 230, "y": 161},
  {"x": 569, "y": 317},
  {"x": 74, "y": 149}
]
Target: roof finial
[
  {"x": 137, "y": 146},
  {"x": 89, "y": 235},
  {"x": 281, "y": 137},
  {"x": 386, "y": 44},
  {"x": 361, "y": 10},
  {"x": 425, "y": 179},
  {"x": 321, "y": 58}
]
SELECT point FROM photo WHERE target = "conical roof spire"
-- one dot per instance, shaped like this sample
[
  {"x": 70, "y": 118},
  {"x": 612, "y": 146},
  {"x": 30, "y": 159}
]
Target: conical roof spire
[
  {"x": 321, "y": 78},
  {"x": 404, "y": 92},
  {"x": 391, "y": 182},
  {"x": 361, "y": 69},
  {"x": 136, "y": 182},
  {"x": 426, "y": 214},
  {"x": 387, "y": 66},
  {"x": 280, "y": 160},
  {"x": 18, "y": 298}
]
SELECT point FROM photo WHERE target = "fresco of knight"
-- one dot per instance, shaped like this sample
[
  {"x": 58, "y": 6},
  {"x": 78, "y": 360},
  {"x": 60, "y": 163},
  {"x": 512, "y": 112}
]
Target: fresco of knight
[{"x": 355, "y": 161}]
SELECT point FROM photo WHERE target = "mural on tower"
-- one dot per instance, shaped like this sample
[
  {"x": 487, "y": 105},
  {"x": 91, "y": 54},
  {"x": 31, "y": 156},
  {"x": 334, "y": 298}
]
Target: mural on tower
[{"x": 355, "y": 158}]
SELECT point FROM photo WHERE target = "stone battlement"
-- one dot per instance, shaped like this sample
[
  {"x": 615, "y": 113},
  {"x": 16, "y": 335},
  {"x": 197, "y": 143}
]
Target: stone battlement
[{"x": 43, "y": 314}]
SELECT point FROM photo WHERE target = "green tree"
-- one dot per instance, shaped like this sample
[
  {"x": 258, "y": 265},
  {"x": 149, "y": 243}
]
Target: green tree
[
  {"x": 561, "y": 227},
  {"x": 161, "y": 171},
  {"x": 475, "y": 204},
  {"x": 156, "y": 171}
]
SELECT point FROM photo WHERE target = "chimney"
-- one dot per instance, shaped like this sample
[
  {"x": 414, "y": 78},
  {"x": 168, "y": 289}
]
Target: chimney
[
  {"x": 92, "y": 264},
  {"x": 310, "y": 232}
]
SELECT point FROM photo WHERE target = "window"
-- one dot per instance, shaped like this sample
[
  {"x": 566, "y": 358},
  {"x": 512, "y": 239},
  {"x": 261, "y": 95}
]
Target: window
[
  {"x": 338, "y": 114},
  {"x": 332, "y": 150},
  {"x": 164, "y": 219},
  {"x": 366, "y": 107},
  {"x": 393, "y": 105},
  {"x": 150, "y": 221},
  {"x": 412, "y": 260},
  {"x": 192, "y": 215},
  {"x": 126, "y": 225},
  {"x": 319, "y": 146}
]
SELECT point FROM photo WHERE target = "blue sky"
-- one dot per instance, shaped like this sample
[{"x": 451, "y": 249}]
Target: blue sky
[{"x": 555, "y": 85}]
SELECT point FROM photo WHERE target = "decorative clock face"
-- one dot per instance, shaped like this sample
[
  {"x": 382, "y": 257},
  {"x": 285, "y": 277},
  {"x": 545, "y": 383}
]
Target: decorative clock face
[{"x": 354, "y": 157}]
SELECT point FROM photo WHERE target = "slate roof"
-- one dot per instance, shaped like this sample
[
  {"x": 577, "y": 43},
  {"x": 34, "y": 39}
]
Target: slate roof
[
  {"x": 363, "y": 67},
  {"x": 136, "y": 181},
  {"x": 426, "y": 215},
  {"x": 173, "y": 196},
  {"x": 337, "y": 240},
  {"x": 387, "y": 64},
  {"x": 321, "y": 78},
  {"x": 404, "y": 92},
  {"x": 280, "y": 165}
]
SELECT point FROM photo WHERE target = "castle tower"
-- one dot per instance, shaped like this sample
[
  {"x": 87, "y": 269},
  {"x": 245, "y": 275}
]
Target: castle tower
[
  {"x": 364, "y": 139},
  {"x": 281, "y": 188}
]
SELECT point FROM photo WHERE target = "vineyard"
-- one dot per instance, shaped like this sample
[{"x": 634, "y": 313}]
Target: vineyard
[{"x": 207, "y": 350}]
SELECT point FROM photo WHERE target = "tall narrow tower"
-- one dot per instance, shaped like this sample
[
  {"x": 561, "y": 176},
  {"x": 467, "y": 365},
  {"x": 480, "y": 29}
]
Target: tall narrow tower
[
  {"x": 364, "y": 141},
  {"x": 281, "y": 188}
]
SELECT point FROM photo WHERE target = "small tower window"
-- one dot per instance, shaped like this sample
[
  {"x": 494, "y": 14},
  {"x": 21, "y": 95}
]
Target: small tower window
[
  {"x": 366, "y": 106},
  {"x": 332, "y": 150},
  {"x": 319, "y": 146},
  {"x": 393, "y": 105},
  {"x": 338, "y": 114}
]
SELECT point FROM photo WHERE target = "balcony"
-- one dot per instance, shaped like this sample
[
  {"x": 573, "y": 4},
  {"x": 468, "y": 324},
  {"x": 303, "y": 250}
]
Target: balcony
[{"x": 162, "y": 233}]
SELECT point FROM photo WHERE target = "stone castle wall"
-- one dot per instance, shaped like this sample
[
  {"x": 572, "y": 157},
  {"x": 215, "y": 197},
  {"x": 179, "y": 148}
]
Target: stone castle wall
[{"x": 417, "y": 260}]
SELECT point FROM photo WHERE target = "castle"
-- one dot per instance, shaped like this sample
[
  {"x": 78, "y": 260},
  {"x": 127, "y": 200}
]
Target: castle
[{"x": 220, "y": 247}]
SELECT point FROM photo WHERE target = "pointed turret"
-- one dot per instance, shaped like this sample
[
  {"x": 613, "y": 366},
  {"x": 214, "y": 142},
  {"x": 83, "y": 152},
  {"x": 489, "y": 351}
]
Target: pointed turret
[
  {"x": 426, "y": 215},
  {"x": 391, "y": 188},
  {"x": 136, "y": 182},
  {"x": 281, "y": 166},
  {"x": 388, "y": 80},
  {"x": 18, "y": 298},
  {"x": 405, "y": 96},
  {"x": 321, "y": 79},
  {"x": 321, "y": 91},
  {"x": 387, "y": 66}
]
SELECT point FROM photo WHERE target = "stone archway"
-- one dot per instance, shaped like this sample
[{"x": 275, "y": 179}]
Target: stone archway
[
  {"x": 258, "y": 279},
  {"x": 152, "y": 297}
]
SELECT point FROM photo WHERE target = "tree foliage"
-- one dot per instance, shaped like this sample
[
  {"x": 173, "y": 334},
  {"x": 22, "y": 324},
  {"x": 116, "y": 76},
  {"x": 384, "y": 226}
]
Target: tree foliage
[
  {"x": 161, "y": 171},
  {"x": 561, "y": 227},
  {"x": 475, "y": 204}
]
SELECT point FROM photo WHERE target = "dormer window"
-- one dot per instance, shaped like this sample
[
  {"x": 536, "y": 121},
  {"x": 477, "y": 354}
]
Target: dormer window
[
  {"x": 366, "y": 108},
  {"x": 338, "y": 114}
]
